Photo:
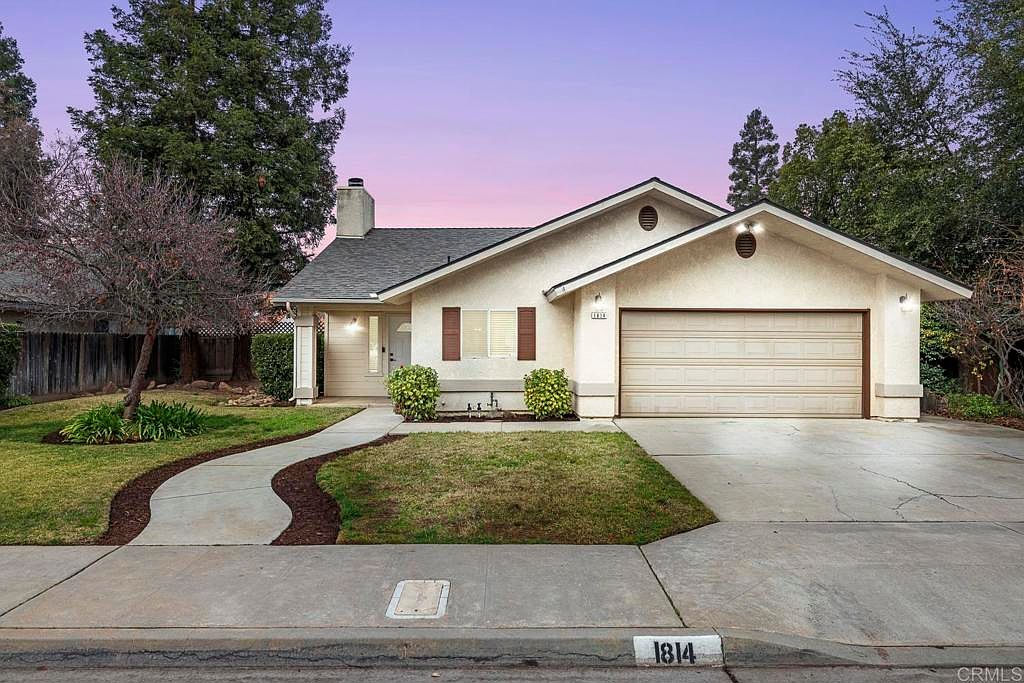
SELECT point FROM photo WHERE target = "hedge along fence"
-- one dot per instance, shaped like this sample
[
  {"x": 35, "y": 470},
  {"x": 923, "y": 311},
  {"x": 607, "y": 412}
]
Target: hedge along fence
[
  {"x": 272, "y": 356},
  {"x": 10, "y": 351}
]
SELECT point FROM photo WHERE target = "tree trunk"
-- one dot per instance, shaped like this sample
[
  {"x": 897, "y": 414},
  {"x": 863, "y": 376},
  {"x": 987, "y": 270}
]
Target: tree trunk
[
  {"x": 134, "y": 397},
  {"x": 241, "y": 361},
  {"x": 188, "y": 366}
]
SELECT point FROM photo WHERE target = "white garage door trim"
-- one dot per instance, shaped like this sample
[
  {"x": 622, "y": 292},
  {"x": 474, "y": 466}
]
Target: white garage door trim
[{"x": 837, "y": 405}]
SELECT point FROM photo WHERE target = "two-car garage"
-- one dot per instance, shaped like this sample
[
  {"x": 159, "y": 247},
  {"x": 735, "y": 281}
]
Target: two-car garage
[{"x": 743, "y": 363}]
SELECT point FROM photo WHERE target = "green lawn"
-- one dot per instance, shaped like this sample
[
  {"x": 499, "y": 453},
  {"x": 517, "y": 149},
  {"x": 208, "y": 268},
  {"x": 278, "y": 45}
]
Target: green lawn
[
  {"x": 62, "y": 494},
  {"x": 527, "y": 487}
]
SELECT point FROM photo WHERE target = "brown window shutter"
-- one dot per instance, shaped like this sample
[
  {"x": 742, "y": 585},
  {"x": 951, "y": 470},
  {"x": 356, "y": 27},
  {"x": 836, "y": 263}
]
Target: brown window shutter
[
  {"x": 451, "y": 333},
  {"x": 527, "y": 334}
]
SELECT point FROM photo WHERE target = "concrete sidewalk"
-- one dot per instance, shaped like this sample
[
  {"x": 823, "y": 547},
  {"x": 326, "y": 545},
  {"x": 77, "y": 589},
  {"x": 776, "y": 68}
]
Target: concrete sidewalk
[
  {"x": 229, "y": 501},
  {"x": 780, "y": 595}
]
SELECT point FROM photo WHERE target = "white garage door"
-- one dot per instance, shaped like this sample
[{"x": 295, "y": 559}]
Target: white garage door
[{"x": 720, "y": 363}]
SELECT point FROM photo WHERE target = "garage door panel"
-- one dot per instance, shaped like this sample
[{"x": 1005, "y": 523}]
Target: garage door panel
[
  {"x": 719, "y": 404},
  {"x": 740, "y": 376},
  {"x": 680, "y": 347},
  {"x": 741, "y": 363}
]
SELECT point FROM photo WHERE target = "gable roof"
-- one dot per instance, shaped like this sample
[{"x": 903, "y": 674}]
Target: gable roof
[
  {"x": 356, "y": 269},
  {"x": 935, "y": 284},
  {"x": 651, "y": 186}
]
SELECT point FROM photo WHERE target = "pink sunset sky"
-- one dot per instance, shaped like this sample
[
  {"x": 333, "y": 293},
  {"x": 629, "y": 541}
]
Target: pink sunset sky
[{"x": 477, "y": 113}]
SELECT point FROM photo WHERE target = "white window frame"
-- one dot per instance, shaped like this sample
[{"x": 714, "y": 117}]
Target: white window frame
[{"x": 487, "y": 332}]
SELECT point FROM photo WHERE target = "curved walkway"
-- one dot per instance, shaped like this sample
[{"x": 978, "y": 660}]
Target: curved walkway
[{"x": 229, "y": 501}]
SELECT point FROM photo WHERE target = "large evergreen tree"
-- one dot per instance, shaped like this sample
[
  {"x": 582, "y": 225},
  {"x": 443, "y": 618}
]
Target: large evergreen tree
[
  {"x": 237, "y": 98},
  {"x": 17, "y": 91},
  {"x": 754, "y": 161}
]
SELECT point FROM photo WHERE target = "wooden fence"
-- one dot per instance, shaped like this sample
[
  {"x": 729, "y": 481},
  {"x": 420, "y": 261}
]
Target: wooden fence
[{"x": 54, "y": 363}]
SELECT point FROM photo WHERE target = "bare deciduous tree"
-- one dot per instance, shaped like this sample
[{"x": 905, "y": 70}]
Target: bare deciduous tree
[
  {"x": 111, "y": 241},
  {"x": 989, "y": 326}
]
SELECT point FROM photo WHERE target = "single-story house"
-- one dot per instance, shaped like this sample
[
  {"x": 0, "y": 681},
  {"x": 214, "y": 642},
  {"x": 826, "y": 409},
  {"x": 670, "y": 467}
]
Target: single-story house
[{"x": 656, "y": 302}]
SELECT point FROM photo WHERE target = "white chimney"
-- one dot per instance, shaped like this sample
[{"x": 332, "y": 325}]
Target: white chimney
[{"x": 355, "y": 209}]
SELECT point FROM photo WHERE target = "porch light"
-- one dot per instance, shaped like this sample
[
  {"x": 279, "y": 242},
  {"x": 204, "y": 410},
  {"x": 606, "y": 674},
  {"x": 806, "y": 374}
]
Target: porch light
[
  {"x": 906, "y": 304},
  {"x": 598, "y": 302},
  {"x": 353, "y": 324}
]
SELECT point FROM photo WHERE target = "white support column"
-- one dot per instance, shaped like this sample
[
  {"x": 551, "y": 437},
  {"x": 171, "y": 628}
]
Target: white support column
[
  {"x": 304, "y": 388},
  {"x": 595, "y": 339},
  {"x": 896, "y": 328}
]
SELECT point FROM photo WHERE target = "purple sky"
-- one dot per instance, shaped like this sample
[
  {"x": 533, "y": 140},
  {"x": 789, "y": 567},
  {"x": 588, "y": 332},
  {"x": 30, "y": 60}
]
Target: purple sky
[{"x": 510, "y": 113}]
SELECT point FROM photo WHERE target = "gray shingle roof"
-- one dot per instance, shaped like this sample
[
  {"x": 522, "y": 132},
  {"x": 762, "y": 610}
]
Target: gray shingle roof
[{"x": 358, "y": 268}]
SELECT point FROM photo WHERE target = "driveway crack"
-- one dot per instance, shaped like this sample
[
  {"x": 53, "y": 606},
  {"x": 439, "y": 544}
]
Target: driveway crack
[
  {"x": 835, "y": 504},
  {"x": 924, "y": 492}
]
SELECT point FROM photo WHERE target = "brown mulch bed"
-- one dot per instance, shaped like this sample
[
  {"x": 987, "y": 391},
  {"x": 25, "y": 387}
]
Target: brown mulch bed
[
  {"x": 503, "y": 417},
  {"x": 1011, "y": 422},
  {"x": 316, "y": 519},
  {"x": 129, "y": 510}
]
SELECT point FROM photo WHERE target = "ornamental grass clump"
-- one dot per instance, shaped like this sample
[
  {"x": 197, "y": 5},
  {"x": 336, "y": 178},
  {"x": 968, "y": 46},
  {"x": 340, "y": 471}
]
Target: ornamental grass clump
[
  {"x": 414, "y": 390},
  {"x": 154, "y": 421},
  {"x": 547, "y": 394}
]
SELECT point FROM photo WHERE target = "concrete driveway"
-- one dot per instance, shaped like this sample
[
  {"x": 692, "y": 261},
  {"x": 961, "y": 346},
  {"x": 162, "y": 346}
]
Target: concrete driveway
[
  {"x": 842, "y": 470},
  {"x": 854, "y": 531}
]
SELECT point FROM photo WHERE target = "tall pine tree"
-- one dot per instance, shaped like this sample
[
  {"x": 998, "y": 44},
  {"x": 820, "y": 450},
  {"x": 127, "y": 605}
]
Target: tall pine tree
[
  {"x": 17, "y": 91},
  {"x": 239, "y": 99},
  {"x": 754, "y": 161}
]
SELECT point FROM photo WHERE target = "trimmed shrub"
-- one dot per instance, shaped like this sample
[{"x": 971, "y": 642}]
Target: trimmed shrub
[
  {"x": 159, "y": 421},
  {"x": 978, "y": 407},
  {"x": 547, "y": 393},
  {"x": 414, "y": 389},
  {"x": 271, "y": 356},
  {"x": 272, "y": 364},
  {"x": 99, "y": 424}
]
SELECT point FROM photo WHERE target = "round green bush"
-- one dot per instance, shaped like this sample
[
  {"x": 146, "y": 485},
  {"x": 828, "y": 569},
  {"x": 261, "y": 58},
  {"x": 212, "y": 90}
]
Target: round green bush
[
  {"x": 547, "y": 393},
  {"x": 414, "y": 389}
]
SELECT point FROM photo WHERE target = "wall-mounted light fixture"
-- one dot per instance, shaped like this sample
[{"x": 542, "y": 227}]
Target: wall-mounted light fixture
[
  {"x": 353, "y": 324},
  {"x": 906, "y": 303},
  {"x": 598, "y": 302},
  {"x": 750, "y": 226}
]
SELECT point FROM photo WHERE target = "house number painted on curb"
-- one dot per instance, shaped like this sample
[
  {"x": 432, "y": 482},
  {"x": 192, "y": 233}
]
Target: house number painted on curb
[{"x": 678, "y": 650}]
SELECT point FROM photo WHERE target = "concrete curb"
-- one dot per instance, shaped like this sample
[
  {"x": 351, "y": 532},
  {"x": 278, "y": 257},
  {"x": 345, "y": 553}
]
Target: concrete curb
[{"x": 448, "y": 647}]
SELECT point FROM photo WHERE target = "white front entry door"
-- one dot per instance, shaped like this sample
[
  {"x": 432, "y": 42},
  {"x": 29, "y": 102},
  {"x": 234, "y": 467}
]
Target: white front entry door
[{"x": 399, "y": 340}]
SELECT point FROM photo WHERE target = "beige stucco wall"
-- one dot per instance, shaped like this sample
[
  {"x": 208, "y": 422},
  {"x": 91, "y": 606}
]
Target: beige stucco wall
[
  {"x": 705, "y": 274},
  {"x": 519, "y": 279}
]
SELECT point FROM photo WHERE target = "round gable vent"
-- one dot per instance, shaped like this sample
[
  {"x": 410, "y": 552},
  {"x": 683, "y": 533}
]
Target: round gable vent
[
  {"x": 648, "y": 217},
  {"x": 746, "y": 244}
]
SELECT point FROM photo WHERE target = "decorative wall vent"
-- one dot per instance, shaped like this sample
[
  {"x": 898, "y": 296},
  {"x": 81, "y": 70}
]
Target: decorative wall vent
[
  {"x": 746, "y": 244},
  {"x": 648, "y": 217}
]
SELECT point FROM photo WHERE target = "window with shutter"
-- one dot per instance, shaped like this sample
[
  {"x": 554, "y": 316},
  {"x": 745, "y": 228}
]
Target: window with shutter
[
  {"x": 502, "y": 334},
  {"x": 474, "y": 334}
]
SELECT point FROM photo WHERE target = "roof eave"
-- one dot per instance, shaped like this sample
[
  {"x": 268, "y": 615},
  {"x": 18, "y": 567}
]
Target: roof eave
[
  {"x": 557, "y": 291},
  {"x": 555, "y": 224}
]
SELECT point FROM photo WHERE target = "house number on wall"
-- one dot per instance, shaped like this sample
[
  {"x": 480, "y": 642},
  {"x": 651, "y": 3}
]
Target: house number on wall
[{"x": 599, "y": 315}]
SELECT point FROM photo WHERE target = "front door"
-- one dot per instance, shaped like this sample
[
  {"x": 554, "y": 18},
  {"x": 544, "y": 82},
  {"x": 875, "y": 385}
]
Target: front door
[{"x": 399, "y": 340}]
